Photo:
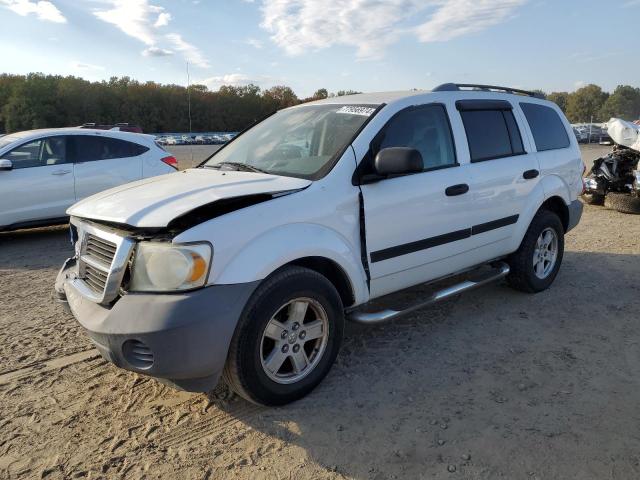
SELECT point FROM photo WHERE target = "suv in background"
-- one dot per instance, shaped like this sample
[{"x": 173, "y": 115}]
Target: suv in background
[
  {"x": 247, "y": 266},
  {"x": 44, "y": 172}
]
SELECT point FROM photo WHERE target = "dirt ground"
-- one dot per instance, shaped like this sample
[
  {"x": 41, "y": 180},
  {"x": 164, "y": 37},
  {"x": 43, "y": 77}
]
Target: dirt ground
[{"x": 492, "y": 384}]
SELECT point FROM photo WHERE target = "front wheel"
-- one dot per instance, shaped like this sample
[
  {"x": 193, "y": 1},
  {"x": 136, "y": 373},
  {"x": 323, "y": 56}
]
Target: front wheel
[
  {"x": 287, "y": 338},
  {"x": 535, "y": 264}
]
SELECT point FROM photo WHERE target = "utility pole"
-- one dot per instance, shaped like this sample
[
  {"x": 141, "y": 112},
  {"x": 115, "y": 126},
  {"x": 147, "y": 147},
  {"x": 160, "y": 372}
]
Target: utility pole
[{"x": 189, "y": 103}]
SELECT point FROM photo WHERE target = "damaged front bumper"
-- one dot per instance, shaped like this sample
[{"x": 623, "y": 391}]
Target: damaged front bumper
[{"x": 180, "y": 338}]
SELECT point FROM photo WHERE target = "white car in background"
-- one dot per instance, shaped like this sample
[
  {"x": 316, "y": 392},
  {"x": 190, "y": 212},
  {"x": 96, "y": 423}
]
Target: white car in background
[{"x": 44, "y": 172}]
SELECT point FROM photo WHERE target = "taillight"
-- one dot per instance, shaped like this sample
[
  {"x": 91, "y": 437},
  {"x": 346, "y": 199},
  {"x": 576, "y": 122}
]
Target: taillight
[{"x": 171, "y": 161}]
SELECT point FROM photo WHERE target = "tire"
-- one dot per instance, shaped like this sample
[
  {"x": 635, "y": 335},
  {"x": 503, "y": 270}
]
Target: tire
[
  {"x": 593, "y": 198},
  {"x": 623, "y": 202},
  {"x": 254, "y": 351},
  {"x": 523, "y": 275}
]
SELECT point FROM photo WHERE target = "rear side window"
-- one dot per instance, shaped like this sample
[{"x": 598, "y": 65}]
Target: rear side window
[
  {"x": 491, "y": 134},
  {"x": 425, "y": 128},
  {"x": 547, "y": 128},
  {"x": 91, "y": 148}
]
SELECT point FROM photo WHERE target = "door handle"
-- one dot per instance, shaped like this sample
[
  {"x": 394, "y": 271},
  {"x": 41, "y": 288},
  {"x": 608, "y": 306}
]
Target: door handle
[
  {"x": 454, "y": 190},
  {"x": 530, "y": 174},
  {"x": 60, "y": 172}
]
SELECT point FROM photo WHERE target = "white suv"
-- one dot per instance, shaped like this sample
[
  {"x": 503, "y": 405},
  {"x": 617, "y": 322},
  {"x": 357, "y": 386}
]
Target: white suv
[
  {"x": 44, "y": 172},
  {"x": 247, "y": 266}
]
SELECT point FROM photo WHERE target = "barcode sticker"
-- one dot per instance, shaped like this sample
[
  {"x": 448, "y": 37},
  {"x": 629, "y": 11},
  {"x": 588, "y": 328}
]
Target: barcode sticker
[{"x": 354, "y": 110}]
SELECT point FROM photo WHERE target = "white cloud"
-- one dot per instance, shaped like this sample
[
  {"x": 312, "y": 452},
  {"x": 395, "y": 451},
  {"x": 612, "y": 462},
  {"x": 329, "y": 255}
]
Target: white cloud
[
  {"x": 142, "y": 20},
  {"x": 156, "y": 52},
  {"x": 371, "y": 25},
  {"x": 191, "y": 53},
  {"x": 254, "y": 42},
  {"x": 85, "y": 66},
  {"x": 44, "y": 10},
  {"x": 456, "y": 18},
  {"x": 163, "y": 20},
  {"x": 134, "y": 17}
]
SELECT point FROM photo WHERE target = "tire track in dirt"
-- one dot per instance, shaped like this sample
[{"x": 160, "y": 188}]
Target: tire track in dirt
[
  {"x": 213, "y": 425},
  {"x": 47, "y": 366}
]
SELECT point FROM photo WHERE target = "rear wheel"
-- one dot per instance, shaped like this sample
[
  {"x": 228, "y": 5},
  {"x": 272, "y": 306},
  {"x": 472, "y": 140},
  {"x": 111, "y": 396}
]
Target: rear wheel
[
  {"x": 535, "y": 264},
  {"x": 287, "y": 339},
  {"x": 623, "y": 202}
]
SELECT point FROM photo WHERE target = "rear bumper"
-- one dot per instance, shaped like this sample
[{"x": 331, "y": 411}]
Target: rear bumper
[
  {"x": 575, "y": 214},
  {"x": 181, "y": 339}
]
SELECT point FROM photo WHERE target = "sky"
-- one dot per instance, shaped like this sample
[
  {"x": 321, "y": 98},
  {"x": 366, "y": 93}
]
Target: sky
[{"x": 363, "y": 45}]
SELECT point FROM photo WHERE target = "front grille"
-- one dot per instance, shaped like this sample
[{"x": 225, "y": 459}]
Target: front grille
[
  {"x": 94, "y": 278},
  {"x": 101, "y": 250},
  {"x": 102, "y": 260}
]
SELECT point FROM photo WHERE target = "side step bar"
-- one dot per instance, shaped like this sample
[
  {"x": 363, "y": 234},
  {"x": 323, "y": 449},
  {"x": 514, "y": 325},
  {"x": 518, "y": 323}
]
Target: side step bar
[{"x": 500, "y": 270}]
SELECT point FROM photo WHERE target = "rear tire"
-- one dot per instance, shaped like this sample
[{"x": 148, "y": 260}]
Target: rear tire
[
  {"x": 287, "y": 338},
  {"x": 535, "y": 264},
  {"x": 593, "y": 198},
  {"x": 623, "y": 202}
]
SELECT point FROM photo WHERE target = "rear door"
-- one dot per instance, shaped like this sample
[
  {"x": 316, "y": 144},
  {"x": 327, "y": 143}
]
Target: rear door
[
  {"x": 102, "y": 162},
  {"x": 503, "y": 168},
  {"x": 40, "y": 185}
]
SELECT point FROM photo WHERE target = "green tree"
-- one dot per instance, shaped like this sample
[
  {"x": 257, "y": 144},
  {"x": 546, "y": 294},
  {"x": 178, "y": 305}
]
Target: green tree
[
  {"x": 560, "y": 99},
  {"x": 623, "y": 103},
  {"x": 281, "y": 97},
  {"x": 586, "y": 103}
]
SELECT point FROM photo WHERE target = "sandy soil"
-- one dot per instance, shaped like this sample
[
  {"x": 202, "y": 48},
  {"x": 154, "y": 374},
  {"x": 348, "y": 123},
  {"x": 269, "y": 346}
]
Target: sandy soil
[{"x": 493, "y": 384}]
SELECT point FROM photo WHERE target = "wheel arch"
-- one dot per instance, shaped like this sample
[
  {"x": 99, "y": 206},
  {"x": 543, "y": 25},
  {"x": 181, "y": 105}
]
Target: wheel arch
[
  {"x": 557, "y": 205},
  {"x": 307, "y": 245},
  {"x": 332, "y": 272}
]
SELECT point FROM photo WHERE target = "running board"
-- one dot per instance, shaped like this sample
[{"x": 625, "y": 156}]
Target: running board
[{"x": 500, "y": 270}]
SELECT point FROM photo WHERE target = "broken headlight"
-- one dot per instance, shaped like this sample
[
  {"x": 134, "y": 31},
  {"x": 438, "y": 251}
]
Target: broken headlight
[{"x": 167, "y": 267}]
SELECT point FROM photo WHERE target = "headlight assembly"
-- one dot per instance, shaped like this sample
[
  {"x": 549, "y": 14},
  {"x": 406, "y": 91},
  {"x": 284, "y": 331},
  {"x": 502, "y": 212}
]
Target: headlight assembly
[{"x": 165, "y": 267}]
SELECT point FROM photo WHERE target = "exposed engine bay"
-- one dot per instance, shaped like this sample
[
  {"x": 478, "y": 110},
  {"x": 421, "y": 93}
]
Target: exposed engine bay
[{"x": 614, "y": 180}]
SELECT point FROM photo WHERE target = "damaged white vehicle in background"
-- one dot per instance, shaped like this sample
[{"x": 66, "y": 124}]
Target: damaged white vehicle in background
[{"x": 614, "y": 180}]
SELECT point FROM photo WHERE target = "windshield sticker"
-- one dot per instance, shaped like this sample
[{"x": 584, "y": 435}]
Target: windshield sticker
[{"x": 353, "y": 110}]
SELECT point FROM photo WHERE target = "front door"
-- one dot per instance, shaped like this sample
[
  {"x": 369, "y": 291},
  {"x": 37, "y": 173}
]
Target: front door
[
  {"x": 101, "y": 163},
  {"x": 415, "y": 224},
  {"x": 39, "y": 186}
]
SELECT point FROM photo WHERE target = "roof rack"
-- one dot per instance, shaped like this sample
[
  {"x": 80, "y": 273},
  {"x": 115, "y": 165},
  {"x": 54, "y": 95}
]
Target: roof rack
[{"x": 456, "y": 87}]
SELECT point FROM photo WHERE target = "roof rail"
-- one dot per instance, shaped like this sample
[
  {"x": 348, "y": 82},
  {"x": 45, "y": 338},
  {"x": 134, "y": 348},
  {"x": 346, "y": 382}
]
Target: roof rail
[{"x": 456, "y": 87}]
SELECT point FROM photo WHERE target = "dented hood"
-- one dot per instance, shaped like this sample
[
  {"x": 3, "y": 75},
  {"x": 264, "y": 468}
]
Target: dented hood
[{"x": 154, "y": 202}]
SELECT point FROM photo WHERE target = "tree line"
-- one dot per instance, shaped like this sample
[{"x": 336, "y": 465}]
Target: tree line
[{"x": 43, "y": 101}]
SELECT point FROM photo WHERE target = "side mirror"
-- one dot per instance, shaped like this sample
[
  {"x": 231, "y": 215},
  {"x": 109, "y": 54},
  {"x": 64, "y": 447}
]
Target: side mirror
[
  {"x": 5, "y": 164},
  {"x": 398, "y": 161}
]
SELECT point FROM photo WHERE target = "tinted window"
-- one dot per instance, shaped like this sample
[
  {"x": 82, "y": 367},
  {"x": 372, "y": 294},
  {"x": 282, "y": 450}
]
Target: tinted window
[
  {"x": 547, "y": 128},
  {"x": 38, "y": 153},
  {"x": 427, "y": 130},
  {"x": 491, "y": 134},
  {"x": 89, "y": 148}
]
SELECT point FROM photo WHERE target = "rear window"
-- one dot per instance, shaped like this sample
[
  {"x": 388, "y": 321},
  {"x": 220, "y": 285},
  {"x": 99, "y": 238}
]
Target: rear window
[
  {"x": 90, "y": 148},
  {"x": 491, "y": 134},
  {"x": 547, "y": 128}
]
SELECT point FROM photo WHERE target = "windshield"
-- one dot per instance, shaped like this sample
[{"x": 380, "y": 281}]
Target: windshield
[
  {"x": 298, "y": 142},
  {"x": 7, "y": 139}
]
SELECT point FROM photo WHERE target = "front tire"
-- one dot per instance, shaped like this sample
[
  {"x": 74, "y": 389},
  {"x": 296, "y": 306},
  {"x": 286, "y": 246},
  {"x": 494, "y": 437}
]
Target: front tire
[
  {"x": 535, "y": 264},
  {"x": 287, "y": 338}
]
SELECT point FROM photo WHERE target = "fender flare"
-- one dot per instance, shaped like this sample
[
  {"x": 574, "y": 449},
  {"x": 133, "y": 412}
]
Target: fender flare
[
  {"x": 550, "y": 186},
  {"x": 285, "y": 244}
]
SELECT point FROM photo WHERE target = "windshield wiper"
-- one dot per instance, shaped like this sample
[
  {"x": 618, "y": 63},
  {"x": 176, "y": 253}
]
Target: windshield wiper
[{"x": 241, "y": 167}]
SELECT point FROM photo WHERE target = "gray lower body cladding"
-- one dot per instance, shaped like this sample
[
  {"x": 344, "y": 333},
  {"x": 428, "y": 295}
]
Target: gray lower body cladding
[
  {"x": 575, "y": 214},
  {"x": 182, "y": 339}
]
